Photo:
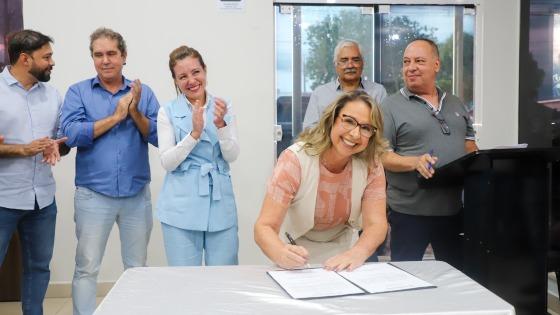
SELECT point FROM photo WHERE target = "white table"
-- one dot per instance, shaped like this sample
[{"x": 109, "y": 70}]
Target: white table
[{"x": 249, "y": 290}]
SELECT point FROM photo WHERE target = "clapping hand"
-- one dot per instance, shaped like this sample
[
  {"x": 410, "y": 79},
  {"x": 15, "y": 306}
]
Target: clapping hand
[
  {"x": 36, "y": 146},
  {"x": 51, "y": 154},
  {"x": 121, "y": 112},
  {"x": 197, "y": 119},
  {"x": 220, "y": 110},
  {"x": 135, "y": 91}
]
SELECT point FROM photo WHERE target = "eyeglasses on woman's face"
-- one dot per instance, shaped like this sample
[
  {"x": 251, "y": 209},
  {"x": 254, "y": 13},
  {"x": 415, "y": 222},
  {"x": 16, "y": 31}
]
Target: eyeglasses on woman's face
[{"x": 350, "y": 123}]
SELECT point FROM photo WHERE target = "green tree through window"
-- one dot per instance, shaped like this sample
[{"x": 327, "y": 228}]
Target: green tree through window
[
  {"x": 397, "y": 31},
  {"x": 323, "y": 37},
  {"x": 446, "y": 74}
]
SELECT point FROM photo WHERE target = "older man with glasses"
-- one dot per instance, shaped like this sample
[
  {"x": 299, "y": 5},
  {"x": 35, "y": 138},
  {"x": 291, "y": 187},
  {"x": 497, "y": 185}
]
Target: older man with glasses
[
  {"x": 426, "y": 128},
  {"x": 349, "y": 64}
]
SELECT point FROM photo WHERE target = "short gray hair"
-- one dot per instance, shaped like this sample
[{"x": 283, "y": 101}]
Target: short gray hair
[{"x": 346, "y": 43}]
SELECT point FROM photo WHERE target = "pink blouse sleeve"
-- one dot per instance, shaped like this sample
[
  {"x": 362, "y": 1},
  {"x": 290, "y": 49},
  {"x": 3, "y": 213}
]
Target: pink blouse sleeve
[
  {"x": 286, "y": 178},
  {"x": 376, "y": 187}
]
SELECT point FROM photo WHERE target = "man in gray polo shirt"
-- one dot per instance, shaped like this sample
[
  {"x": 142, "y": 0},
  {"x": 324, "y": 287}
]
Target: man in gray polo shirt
[
  {"x": 349, "y": 64},
  {"x": 426, "y": 128}
]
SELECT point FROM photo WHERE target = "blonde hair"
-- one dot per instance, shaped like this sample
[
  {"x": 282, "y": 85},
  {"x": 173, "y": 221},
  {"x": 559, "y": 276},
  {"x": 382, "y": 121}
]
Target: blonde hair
[{"x": 317, "y": 139}]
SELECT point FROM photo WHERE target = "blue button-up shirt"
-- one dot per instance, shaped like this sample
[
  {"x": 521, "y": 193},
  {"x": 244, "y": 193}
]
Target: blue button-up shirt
[
  {"x": 116, "y": 163},
  {"x": 26, "y": 115}
]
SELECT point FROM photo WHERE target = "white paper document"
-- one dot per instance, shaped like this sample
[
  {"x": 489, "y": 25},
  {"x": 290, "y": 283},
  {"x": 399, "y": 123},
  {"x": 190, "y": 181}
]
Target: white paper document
[
  {"x": 370, "y": 278},
  {"x": 377, "y": 278},
  {"x": 313, "y": 283}
]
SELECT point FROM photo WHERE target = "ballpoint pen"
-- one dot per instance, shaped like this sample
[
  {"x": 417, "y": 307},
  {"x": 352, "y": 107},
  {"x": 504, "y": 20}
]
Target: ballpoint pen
[
  {"x": 431, "y": 153},
  {"x": 293, "y": 242},
  {"x": 290, "y": 239}
]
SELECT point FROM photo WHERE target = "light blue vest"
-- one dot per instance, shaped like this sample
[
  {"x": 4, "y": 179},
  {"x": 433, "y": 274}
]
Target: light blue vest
[{"x": 198, "y": 194}]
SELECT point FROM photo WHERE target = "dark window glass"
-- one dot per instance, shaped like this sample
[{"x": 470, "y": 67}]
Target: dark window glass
[{"x": 11, "y": 19}]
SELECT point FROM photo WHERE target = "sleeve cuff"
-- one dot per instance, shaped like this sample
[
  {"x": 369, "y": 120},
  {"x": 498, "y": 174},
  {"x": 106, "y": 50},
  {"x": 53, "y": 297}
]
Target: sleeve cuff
[
  {"x": 224, "y": 132},
  {"x": 189, "y": 141},
  {"x": 85, "y": 138},
  {"x": 152, "y": 132}
]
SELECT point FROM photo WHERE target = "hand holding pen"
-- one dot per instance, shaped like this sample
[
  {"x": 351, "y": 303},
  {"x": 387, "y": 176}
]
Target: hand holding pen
[
  {"x": 291, "y": 255},
  {"x": 430, "y": 165},
  {"x": 425, "y": 165}
]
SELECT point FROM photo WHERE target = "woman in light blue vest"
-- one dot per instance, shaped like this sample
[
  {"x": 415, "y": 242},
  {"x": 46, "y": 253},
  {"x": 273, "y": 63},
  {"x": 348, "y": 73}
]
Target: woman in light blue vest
[{"x": 197, "y": 138}]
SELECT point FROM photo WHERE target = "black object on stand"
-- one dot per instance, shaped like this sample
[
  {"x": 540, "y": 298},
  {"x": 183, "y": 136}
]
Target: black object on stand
[{"x": 508, "y": 206}]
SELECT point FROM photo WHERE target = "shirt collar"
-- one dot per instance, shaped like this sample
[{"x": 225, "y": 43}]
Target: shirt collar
[
  {"x": 208, "y": 99},
  {"x": 8, "y": 77},
  {"x": 125, "y": 86},
  {"x": 406, "y": 93},
  {"x": 441, "y": 96},
  {"x": 11, "y": 80},
  {"x": 339, "y": 88}
]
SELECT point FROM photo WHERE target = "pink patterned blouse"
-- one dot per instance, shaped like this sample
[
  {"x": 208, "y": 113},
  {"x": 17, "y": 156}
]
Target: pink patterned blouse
[{"x": 334, "y": 193}]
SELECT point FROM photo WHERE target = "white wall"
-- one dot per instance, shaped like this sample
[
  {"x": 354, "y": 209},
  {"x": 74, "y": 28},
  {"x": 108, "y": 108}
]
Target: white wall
[
  {"x": 238, "y": 49},
  {"x": 497, "y": 72}
]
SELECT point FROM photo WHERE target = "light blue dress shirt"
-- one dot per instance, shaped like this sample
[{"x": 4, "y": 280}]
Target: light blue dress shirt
[
  {"x": 26, "y": 115},
  {"x": 116, "y": 163}
]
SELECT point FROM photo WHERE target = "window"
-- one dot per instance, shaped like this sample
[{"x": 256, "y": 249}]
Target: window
[
  {"x": 539, "y": 77},
  {"x": 306, "y": 36},
  {"x": 11, "y": 19}
]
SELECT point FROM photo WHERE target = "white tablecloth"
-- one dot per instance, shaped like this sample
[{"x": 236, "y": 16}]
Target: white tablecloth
[{"x": 249, "y": 290}]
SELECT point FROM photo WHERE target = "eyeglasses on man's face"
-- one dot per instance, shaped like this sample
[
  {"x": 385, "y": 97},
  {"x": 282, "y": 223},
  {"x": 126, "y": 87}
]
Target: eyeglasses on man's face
[
  {"x": 350, "y": 123},
  {"x": 442, "y": 123}
]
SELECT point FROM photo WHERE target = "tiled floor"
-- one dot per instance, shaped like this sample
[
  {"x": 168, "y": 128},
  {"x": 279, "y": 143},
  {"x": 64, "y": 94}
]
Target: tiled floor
[{"x": 52, "y": 306}]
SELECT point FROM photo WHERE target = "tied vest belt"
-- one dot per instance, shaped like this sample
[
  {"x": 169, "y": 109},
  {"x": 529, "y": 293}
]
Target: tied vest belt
[{"x": 207, "y": 170}]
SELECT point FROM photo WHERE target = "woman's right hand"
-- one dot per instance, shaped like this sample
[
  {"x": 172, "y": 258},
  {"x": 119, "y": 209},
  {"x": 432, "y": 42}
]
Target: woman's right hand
[
  {"x": 197, "y": 121},
  {"x": 292, "y": 256}
]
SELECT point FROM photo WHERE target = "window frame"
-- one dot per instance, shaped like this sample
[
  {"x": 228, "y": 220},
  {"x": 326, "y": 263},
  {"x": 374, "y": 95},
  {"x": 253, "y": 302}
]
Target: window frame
[{"x": 376, "y": 4}]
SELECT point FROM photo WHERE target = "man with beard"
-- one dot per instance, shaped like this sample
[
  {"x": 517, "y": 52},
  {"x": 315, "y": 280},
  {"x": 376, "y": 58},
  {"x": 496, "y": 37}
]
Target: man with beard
[
  {"x": 349, "y": 64},
  {"x": 29, "y": 111}
]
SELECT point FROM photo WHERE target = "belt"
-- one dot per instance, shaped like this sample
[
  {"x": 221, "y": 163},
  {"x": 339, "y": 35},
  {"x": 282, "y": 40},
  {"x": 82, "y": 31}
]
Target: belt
[{"x": 207, "y": 170}]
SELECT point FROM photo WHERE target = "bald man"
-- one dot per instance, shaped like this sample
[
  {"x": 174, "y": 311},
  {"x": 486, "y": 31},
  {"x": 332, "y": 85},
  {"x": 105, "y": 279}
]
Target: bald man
[{"x": 426, "y": 127}]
